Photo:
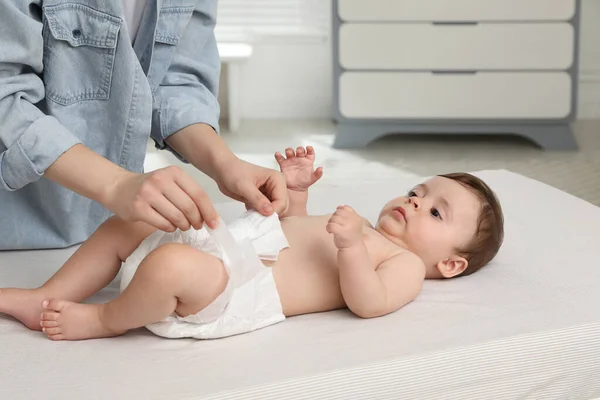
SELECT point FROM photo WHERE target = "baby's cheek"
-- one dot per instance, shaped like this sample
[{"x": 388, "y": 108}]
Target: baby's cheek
[{"x": 426, "y": 233}]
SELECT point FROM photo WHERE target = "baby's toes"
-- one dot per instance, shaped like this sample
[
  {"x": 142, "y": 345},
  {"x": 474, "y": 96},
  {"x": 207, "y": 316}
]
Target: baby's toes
[
  {"x": 48, "y": 324},
  {"x": 53, "y": 305},
  {"x": 49, "y": 316},
  {"x": 52, "y": 331},
  {"x": 58, "y": 336}
]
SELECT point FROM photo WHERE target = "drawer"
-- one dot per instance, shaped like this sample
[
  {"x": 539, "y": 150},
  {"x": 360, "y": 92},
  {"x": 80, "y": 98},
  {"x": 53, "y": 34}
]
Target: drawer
[
  {"x": 545, "y": 46},
  {"x": 456, "y": 10},
  {"x": 483, "y": 95}
]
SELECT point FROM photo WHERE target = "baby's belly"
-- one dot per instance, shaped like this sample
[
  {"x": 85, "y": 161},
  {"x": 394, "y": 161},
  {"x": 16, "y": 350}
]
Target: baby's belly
[{"x": 306, "y": 274}]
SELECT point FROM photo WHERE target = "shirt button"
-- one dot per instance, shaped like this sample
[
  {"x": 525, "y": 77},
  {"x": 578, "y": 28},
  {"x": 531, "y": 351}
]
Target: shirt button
[{"x": 76, "y": 33}]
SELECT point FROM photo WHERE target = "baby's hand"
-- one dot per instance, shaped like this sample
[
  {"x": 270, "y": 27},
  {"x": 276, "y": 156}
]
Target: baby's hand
[
  {"x": 346, "y": 226},
  {"x": 298, "y": 168}
]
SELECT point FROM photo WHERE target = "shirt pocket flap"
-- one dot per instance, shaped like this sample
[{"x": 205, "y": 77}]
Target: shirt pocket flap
[
  {"x": 171, "y": 23},
  {"x": 82, "y": 26}
]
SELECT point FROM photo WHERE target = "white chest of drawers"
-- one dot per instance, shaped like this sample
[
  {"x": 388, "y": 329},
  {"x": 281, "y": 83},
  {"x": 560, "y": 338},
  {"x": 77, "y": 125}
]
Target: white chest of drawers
[{"x": 455, "y": 67}]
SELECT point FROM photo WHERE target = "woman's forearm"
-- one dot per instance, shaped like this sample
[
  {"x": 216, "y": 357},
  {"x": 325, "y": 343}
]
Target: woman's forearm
[
  {"x": 203, "y": 148},
  {"x": 85, "y": 172}
]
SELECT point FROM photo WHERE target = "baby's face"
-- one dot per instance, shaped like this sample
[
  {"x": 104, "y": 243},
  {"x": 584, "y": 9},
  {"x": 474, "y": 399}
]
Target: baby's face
[{"x": 434, "y": 219}]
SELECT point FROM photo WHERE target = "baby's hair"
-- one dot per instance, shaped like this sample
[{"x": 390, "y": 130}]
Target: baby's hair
[{"x": 489, "y": 233}]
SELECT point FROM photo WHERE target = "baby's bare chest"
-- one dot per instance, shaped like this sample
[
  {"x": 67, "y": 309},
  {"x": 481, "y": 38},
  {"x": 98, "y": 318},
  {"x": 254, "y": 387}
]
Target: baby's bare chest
[
  {"x": 314, "y": 247},
  {"x": 307, "y": 273}
]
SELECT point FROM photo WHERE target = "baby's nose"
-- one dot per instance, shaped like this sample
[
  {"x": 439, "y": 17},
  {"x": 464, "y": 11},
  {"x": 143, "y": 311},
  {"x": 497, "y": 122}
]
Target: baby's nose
[{"x": 416, "y": 203}]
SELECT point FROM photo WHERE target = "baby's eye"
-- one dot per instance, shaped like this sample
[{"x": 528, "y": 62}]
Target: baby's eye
[
  {"x": 412, "y": 194},
  {"x": 436, "y": 213}
]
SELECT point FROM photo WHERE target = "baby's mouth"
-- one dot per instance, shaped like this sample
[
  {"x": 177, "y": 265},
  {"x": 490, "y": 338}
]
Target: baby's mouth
[{"x": 399, "y": 213}]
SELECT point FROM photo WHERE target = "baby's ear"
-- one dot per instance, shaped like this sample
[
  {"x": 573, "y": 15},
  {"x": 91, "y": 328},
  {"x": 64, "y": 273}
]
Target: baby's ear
[{"x": 452, "y": 266}]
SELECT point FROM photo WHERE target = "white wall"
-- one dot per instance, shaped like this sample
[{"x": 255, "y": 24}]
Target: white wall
[{"x": 291, "y": 78}]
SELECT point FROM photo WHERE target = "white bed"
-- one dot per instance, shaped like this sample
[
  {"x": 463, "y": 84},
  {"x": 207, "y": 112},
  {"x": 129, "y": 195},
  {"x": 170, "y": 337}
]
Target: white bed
[{"x": 527, "y": 326}]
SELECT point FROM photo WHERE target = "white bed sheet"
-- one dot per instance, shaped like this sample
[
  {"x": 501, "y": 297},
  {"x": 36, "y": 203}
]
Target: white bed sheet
[{"x": 527, "y": 326}]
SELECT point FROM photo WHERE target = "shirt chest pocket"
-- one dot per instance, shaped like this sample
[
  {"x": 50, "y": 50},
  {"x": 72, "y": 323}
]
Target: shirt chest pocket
[{"x": 79, "y": 53}]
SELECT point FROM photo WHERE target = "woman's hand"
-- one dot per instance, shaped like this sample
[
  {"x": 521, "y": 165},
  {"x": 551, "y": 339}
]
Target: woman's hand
[
  {"x": 166, "y": 199},
  {"x": 262, "y": 189}
]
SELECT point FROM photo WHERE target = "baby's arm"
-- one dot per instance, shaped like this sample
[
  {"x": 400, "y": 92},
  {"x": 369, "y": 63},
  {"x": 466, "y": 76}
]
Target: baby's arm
[
  {"x": 372, "y": 293},
  {"x": 299, "y": 172},
  {"x": 369, "y": 292},
  {"x": 297, "y": 204}
]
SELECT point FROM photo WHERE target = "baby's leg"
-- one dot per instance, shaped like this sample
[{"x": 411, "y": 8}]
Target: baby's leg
[
  {"x": 93, "y": 266},
  {"x": 174, "y": 277}
]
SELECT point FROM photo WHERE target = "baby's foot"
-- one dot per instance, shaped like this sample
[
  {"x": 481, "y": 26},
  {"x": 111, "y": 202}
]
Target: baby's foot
[
  {"x": 64, "y": 320},
  {"x": 24, "y": 305}
]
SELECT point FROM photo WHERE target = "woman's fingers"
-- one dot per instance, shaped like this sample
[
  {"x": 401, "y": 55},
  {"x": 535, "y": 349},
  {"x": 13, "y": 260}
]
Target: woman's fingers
[
  {"x": 154, "y": 218},
  {"x": 201, "y": 209},
  {"x": 278, "y": 194},
  {"x": 177, "y": 196},
  {"x": 168, "y": 210},
  {"x": 257, "y": 200}
]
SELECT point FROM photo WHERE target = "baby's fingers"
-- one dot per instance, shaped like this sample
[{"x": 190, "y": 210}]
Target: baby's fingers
[
  {"x": 300, "y": 152},
  {"x": 310, "y": 153},
  {"x": 289, "y": 152},
  {"x": 317, "y": 174},
  {"x": 350, "y": 211},
  {"x": 279, "y": 157},
  {"x": 345, "y": 211},
  {"x": 335, "y": 229},
  {"x": 331, "y": 227}
]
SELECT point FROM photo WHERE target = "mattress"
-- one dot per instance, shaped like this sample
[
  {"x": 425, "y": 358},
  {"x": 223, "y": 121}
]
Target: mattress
[{"x": 527, "y": 326}]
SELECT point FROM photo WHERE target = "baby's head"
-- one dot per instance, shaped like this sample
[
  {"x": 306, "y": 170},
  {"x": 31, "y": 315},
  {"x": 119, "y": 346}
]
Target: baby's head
[{"x": 454, "y": 222}]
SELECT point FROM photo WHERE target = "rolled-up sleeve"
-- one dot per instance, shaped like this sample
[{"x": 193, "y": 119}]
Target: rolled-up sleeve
[
  {"x": 188, "y": 92},
  {"x": 30, "y": 141}
]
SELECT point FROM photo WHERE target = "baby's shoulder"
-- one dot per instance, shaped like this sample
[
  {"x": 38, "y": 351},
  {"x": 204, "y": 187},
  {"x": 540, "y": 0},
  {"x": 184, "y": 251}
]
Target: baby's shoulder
[
  {"x": 403, "y": 276},
  {"x": 407, "y": 260}
]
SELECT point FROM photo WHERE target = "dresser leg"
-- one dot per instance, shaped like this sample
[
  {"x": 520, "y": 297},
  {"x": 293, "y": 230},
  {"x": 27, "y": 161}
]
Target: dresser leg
[
  {"x": 547, "y": 136},
  {"x": 352, "y": 136},
  {"x": 550, "y": 137}
]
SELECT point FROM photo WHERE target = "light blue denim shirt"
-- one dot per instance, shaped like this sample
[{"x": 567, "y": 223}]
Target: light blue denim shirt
[{"x": 68, "y": 75}]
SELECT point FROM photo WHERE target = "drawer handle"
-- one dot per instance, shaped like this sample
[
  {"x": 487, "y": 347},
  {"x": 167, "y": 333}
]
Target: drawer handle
[
  {"x": 454, "y": 23},
  {"x": 453, "y": 72}
]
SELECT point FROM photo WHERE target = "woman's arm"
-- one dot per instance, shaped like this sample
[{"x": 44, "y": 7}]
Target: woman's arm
[
  {"x": 262, "y": 189},
  {"x": 186, "y": 118},
  {"x": 166, "y": 198},
  {"x": 33, "y": 144},
  {"x": 30, "y": 141}
]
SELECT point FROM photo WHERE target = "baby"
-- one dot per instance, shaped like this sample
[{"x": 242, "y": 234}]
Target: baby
[{"x": 208, "y": 284}]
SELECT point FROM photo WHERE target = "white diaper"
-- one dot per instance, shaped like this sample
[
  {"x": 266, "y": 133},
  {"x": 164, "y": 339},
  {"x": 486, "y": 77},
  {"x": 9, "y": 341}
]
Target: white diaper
[{"x": 250, "y": 300}]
